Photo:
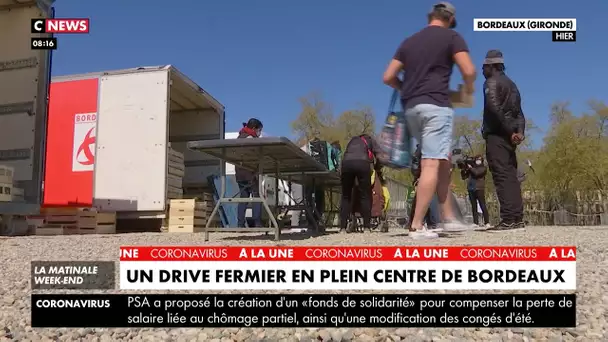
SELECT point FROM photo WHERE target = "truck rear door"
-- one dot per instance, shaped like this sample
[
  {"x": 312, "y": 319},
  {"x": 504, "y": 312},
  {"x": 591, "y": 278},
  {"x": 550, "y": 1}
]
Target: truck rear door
[{"x": 24, "y": 83}]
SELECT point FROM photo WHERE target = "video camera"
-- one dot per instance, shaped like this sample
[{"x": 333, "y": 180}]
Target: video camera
[{"x": 461, "y": 159}]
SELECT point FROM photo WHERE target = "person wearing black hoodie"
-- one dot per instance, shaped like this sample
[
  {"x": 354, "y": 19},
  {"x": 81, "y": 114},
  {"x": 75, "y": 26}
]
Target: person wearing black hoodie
[
  {"x": 475, "y": 175},
  {"x": 358, "y": 161},
  {"x": 248, "y": 181}
]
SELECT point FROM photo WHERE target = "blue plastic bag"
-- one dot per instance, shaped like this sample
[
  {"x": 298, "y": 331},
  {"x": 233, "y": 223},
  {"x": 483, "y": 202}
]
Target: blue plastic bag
[{"x": 395, "y": 139}]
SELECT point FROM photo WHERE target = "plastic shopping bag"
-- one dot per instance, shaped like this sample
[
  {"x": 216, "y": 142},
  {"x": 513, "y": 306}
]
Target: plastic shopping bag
[{"x": 395, "y": 139}]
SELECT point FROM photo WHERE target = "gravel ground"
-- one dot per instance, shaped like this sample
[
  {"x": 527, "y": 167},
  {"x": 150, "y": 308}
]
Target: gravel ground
[{"x": 16, "y": 254}]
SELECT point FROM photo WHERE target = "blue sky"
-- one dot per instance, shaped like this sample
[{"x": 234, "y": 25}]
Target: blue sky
[{"x": 259, "y": 57}]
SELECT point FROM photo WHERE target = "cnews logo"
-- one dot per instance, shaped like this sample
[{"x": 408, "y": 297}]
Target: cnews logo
[{"x": 77, "y": 25}]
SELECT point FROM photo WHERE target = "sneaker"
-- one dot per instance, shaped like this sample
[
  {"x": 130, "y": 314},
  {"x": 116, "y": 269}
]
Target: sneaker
[
  {"x": 519, "y": 225},
  {"x": 422, "y": 234},
  {"x": 506, "y": 227},
  {"x": 455, "y": 226},
  {"x": 483, "y": 227},
  {"x": 435, "y": 228}
]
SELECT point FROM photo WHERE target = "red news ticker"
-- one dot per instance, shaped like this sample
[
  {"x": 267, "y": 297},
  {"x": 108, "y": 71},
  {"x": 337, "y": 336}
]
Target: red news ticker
[
  {"x": 351, "y": 253},
  {"x": 64, "y": 25}
]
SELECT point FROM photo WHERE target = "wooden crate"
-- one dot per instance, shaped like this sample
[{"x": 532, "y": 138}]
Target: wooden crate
[
  {"x": 185, "y": 228},
  {"x": 174, "y": 181},
  {"x": 62, "y": 217},
  {"x": 176, "y": 168},
  {"x": 56, "y": 229},
  {"x": 82, "y": 220},
  {"x": 175, "y": 156},
  {"x": 189, "y": 207},
  {"x": 105, "y": 223},
  {"x": 6, "y": 174},
  {"x": 174, "y": 192},
  {"x": 175, "y": 171},
  {"x": 192, "y": 193},
  {"x": 188, "y": 215},
  {"x": 6, "y": 192}
]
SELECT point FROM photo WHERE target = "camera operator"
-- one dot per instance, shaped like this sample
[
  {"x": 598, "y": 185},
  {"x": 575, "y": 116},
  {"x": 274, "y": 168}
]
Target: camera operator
[
  {"x": 474, "y": 172},
  {"x": 415, "y": 168},
  {"x": 503, "y": 129}
]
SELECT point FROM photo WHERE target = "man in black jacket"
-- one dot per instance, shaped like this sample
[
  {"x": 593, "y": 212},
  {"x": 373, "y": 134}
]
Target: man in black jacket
[
  {"x": 475, "y": 175},
  {"x": 503, "y": 129}
]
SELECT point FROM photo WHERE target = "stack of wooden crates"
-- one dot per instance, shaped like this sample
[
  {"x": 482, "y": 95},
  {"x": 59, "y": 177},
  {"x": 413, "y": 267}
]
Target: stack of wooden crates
[
  {"x": 66, "y": 221},
  {"x": 8, "y": 191},
  {"x": 175, "y": 174},
  {"x": 6, "y": 183},
  {"x": 189, "y": 215}
]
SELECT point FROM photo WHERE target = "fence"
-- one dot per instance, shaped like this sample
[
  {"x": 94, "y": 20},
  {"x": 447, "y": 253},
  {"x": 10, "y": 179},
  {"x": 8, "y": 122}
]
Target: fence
[{"x": 578, "y": 214}]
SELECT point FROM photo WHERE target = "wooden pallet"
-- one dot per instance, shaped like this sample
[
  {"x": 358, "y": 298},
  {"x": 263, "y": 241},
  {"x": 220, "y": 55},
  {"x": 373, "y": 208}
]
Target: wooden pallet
[
  {"x": 175, "y": 156},
  {"x": 175, "y": 192},
  {"x": 78, "y": 221},
  {"x": 201, "y": 196},
  {"x": 188, "y": 215},
  {"x": 6, "y": 174},
  {"x": 104, "y": 223},
  {"x": 176, "y": 168},
  {"x": 6, "y": 192},
  {"x": 175, "y": 181},
  {"x": 57, "y": 229},
  {"x": 175, "y": 174}
]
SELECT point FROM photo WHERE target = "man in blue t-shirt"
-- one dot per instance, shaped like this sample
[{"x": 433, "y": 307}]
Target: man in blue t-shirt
[{"x": 427, "y": 59}]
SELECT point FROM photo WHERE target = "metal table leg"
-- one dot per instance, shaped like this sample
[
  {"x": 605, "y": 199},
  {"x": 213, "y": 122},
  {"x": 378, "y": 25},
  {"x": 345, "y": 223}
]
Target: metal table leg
[{"x": 261, "y": 199}]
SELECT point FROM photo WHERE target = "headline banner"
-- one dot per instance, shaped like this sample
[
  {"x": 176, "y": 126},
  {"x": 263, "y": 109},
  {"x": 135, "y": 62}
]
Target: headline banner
[
  {"x": 348, "y": 268},
  {"x": 173, "y": 311}
]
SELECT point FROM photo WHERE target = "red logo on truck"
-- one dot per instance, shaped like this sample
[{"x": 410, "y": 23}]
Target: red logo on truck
[
  {"x": 84, "y": 150},
  {"x": 83, "y": 155}
]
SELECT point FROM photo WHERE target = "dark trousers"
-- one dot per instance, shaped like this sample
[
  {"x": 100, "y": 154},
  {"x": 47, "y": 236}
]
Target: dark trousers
[
  {"x": 479, "y": 196},
  {"x": 428, "y": 218},
  {"x": 318, "y": 201},
  {"x": 500, "y": 153},
  {"x": 361, "y": 173},
  {"x": 249, "y": 189}
]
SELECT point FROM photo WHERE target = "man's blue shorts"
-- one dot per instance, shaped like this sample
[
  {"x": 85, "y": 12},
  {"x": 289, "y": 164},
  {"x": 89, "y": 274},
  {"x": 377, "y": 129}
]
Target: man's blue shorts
[{"x": 432, "y": 127}]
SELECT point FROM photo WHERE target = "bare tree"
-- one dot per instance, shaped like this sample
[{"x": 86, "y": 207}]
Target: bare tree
[
  {"x": 314, "y": 119},
  {"x": 560, "y": 112}
]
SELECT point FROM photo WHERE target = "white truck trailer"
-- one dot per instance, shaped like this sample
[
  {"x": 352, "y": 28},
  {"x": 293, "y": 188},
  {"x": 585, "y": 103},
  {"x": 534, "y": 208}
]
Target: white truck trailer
[
  {"x": 24, "y": 83},
  {"x": 109, "y": 136}
]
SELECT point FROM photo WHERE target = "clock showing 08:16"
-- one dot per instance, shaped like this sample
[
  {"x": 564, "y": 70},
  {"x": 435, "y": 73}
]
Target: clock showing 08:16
[{"x": 44, "y": 43}]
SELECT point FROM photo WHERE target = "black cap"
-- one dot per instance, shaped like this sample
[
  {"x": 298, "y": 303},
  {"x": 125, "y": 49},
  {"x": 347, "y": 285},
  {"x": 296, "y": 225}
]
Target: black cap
[
  {"x": 494, "y": 57},
  {"x": 448, "y": 7}
]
